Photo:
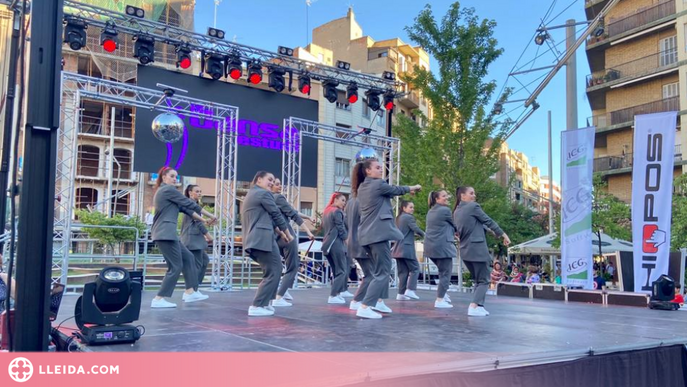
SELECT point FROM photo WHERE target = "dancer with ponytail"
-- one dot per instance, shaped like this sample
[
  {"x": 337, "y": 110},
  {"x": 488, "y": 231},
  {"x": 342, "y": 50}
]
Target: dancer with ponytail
[
  {"x": 335, "y": 235},
  {"x": 439, "y": 245},
  {"x": 471, "y": 222},
  {"x": 404, "y": 252},
  {"x": 355, "y": 251},
  {"x": 195, "y": 236},
  {"x": 376, "y": 230}
]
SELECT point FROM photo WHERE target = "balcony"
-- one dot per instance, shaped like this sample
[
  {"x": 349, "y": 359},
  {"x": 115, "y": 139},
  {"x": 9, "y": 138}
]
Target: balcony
[
  {"x": 643, "y": 67},
  {"x": 93, "y": 124},
  {"x": 410, "y": 100},
  {"x": 626, "y": 116},
  {"x": 623, "y": 163},
  {"x": 634, "y": 21}
]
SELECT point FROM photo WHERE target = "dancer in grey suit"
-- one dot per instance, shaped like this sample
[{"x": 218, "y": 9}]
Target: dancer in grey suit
[
  {"x": 439, "y": 245},
  {"x": 260, "y": 219},
  {"x": 288, "y": 250},
  {"x": 168, "y": 202},
  {"x": 377, "y": 228},
  {"x": 404, "y": 252},
  {"x": 472, "y": 222},
  {"x": 356, "y": 251},
  {"x": 195, "y": 236},
  {"x": 335, "y": 235}
]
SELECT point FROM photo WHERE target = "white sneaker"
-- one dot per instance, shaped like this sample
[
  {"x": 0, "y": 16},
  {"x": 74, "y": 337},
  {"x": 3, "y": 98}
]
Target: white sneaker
[
  {"x": 193, "y": 297},
  {"x": 381, "y": 307},
  {"x": 162, "y": 303},
  {"x": 281, "y": 302},
  {"x": 269, "y": 307},
  {"x": 257, "y": 311},
  {"x": 336, "y": 300},
  {"x": 447, "y": 298},
  {"x": 198, "y": 291},
  {"x": 368, "y": 313},
  {"x": 288, "y": 296},
  {"x": 402, "y": 297},
  {"x": 477, "y": 312},
  {"x": 346, "y": 294},
  {"x": 485, "y": 311},
  {"x": 411, "y": 294},
  {"x": 354, "y": 305},
  {"x": 442, "y": 304}
]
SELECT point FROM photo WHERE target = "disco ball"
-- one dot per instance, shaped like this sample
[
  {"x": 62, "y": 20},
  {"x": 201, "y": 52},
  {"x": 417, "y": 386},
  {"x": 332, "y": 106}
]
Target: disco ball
[
  {"x": 168, "y": 127},
  {"x": 364, "y": 154}
]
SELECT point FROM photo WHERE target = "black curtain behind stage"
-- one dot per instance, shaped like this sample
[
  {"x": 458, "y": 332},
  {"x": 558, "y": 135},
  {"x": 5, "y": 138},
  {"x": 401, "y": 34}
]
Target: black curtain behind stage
[{"x": 665, "y": 366}]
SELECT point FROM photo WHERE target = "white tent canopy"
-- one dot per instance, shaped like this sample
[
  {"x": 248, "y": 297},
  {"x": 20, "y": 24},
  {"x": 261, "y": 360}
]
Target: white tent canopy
[{"x": 543, "y": 246}]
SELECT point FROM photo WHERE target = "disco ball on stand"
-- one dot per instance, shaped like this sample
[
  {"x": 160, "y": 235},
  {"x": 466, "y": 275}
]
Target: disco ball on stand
[
  {"x": 168, "y": 127},
  {"x": 364, "y": 154}
]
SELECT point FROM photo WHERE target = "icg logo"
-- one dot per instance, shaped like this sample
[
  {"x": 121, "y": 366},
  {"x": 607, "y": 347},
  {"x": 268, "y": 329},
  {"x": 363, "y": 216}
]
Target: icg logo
[
  {"x": 20, "y": 369},
  {"x": 576, "y": 156}
]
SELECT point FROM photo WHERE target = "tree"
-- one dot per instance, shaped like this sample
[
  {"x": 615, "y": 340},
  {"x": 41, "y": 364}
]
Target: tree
[
  {"x": 523, "y": 225},
  {"x": 109, "y": 236},
  {"x": 678, "y": 238}
]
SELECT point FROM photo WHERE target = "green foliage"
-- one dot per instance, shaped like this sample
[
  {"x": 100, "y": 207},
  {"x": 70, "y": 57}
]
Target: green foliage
[
  {"x": 678, "y": 238},
  {"x": 523, "y": 225},
  {"x": 110, "y": 236}
]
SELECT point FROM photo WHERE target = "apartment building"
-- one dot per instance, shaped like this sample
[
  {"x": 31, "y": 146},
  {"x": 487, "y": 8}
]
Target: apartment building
[
  {"x": 544, "y": 193},
  {"x": 522, "y": 180},
  {"x": 638, "y": 64}
]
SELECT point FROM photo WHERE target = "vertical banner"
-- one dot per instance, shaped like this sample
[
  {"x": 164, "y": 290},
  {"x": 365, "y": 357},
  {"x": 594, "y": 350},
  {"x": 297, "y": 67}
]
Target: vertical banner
[
  {"x": 652, "y": 193},
  {"x": 577, "y": 153}
]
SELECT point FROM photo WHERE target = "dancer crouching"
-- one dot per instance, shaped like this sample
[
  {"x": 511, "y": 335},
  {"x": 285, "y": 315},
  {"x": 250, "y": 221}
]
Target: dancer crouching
[
  {"x": 439, "y": 245},
  {"x": 335, "y": 234},
  {"x": 404, "y": 253}
]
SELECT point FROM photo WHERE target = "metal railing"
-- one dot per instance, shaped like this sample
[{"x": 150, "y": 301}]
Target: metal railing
[
  {"x": 609, "y": 163},
  {"x": 657, "y": 12},
  {"x": 627, "y": 115},
  {"x": 654, "y": 63},
  {"x": 94, "y": 125}
]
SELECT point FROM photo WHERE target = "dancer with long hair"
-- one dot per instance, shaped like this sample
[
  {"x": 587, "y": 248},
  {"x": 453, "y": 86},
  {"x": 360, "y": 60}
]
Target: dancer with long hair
[
  {"x": 168, "y": 203},
  {"x": 377, "y": 228},
  {"x": 335, "y": 235},
  {"x": 355, "y": 251},
  {"x": 404, "y": 252},
  {"x": 260, "y": 219},
  {"x": 439, "y": 247},
  {"x": 471, "y": 222},
  {"x": 195, "y": 236}
]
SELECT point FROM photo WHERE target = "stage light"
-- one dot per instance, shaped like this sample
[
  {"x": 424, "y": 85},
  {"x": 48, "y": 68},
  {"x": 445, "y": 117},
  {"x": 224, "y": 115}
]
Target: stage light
[
  {"x": 144, "y": 49},
  {"x": 215, "y": 33},
  {"x": 599, "y": 31},
  {"x": 214, "y": 66},
  {"x": 75, "y": 33},
  {"x": 108, "y": 38},
  {"x": 304, "y": 84},
  {"x": 389, "y": 100},
  {"x": 352, "y": 93},
  {"x": 234, "y": 69},
  {"x": 372, "y": 97},
  {"x": 285, "y": 51},
  {"x": 541, "y": 38},
  {"x": 183, "y": 57},
  {"x": 343, "y": 65},
  {"x": 135, "y": 11},
  {"x": 254, "y": 72},
  {"x": 276, "y": 79},
  {"x": 389, "y": 75},
  {"x": 330, "y": 92}
]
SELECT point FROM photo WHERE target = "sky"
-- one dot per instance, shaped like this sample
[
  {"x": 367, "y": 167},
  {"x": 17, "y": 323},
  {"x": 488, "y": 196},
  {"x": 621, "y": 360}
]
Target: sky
[{"x": 268, "y": 24}]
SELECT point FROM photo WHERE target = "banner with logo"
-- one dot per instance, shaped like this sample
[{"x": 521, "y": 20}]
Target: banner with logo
[
  {"x": 577, "y": 153},
  {"x": 652, "y": 193}
]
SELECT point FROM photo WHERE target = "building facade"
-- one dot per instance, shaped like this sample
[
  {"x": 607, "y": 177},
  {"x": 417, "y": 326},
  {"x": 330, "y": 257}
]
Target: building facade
[
  {"x": 522, "y": 180},
  {"x": 544, "y": 193}
]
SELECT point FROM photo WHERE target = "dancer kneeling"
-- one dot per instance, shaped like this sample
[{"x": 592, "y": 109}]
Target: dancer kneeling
[{"x": 335, "y": 234}]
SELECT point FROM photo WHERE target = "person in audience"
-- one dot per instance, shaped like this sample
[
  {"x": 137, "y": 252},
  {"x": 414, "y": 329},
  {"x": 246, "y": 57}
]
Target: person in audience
[
  {"x": 679, "y": 298},
  {"x": 533, "y": 275},
  {"x": 599, "y": 281},
  {"x": 4, "y": 282},
  {"x": 515, "y": 274},
  {"x": 497, "y": 274}
]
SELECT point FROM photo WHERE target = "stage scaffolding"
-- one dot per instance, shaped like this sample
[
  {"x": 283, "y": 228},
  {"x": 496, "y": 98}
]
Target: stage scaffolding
[{"x": 75, "y": 87}]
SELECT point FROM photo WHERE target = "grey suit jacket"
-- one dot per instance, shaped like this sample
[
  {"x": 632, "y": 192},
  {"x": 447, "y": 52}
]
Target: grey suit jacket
[
  {"x": 335, "y": 232},
  {"x": 376, "y": 214},
  {"x": 168, "y": 202},
  {"x": 193, "y": 233},
  {"x": 440, "y": 231},
  {"x": 405, "y": 248},
  {"x": 470, "y": 220},
  {"x": 289, "y": 214},
  {"x": 259, "y": 216},
  {"x": 353, "y": 220}
]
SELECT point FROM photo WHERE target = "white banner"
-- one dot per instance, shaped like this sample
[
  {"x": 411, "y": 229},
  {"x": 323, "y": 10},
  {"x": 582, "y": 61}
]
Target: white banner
[
  {"x": 652, "y": 193},
  {"x": 577, "y": 154}
]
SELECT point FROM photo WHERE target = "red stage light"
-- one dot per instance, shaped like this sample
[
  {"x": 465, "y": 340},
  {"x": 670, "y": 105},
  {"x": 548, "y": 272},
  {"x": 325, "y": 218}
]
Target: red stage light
[
  {"x": 109, "y": 45},
  {"x": 255, "y": 78},
  {"x": 185, "y": 63},
  {"x": 353, "y": 98},
  {"x": 235, "y": 74},
  {"x": 389, "y": 105},
  {"x": 305, "y": 89}
]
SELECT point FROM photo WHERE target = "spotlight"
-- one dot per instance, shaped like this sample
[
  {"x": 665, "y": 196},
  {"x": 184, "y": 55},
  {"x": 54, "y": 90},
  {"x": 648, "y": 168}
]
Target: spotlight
[
  {"x": 662, "y": 293},
  {"x": 304, "y": 84},
  {"x": 352, "y": 93},
  {"x": 144, "y": 49},
  {"x": 498, "y": 108},
  {"x": 134, "y": 11},
  {"x": 285, "y": 51},
  {"x": 599, "y": 31},
  {"x": 330, "y": 92},
  {"x": 183, "y": 57},
  {"x": 214, "y": 66},
  {"x": 276, "y": 79},
  {"x": 372, "y": 97},
  {"x": 234, "y": 66},
  {"x": 389, "y": 75},
  {"x": 343, "y": 65},
  {"x": 254, "y": 72},
  {"x": 215, "y": 33},
  {"x": 389, "y": 100},
  {"x": 108, "y": 38},
  {"x": 541, "y": 38},
  {"x": 75, "y": 33}
]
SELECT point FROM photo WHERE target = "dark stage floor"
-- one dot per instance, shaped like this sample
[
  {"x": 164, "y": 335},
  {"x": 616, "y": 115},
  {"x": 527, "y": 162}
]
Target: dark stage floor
[{"x": 516, "y": 326}]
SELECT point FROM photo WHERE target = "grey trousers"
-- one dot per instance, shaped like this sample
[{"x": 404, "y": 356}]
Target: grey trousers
[
  {"x": 380, "y": 253},
  {"x": 179, "y": 260},
  {"x": 348, "y": 270},
  {"x": 270, "y": 262},
  {"x": 368, "y": 268},
  {"x": 202, "y": 261},
  {"x": 445, "y": 266},
  {"x": 408, "y": 272},
  {"x": 338, "y": 264},
  {"x": 480, "y": 274},
  {"x": 291, "y": 261}
]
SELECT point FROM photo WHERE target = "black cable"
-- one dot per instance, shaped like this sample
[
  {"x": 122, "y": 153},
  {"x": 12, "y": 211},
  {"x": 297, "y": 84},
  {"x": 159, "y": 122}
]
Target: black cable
[
  {"x": 63, "y": 321},
  {"x": 566, "y": 8}
]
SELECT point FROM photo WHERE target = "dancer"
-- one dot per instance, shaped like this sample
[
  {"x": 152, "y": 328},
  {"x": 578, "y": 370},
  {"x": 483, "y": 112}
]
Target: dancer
[
  {"x": 195, "y": 236},
  {"x": 356, "y": 252},
  {"x": 439, "y": 245},
  {"x": 168, "y": 202},
  {"x": 335, "y": 234},
  {"x": 261, "y": 218},
  {"x": 288, "y": 250},
  {"x": 404, "y": 252},
  {"x": 376, "y": 229},
  {"x": 471, "y": 221}
]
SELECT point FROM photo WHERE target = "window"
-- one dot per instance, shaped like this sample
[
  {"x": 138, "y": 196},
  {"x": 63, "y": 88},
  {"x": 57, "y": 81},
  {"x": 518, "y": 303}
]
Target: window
[
  {"x": 342, "y": 134},
  {"x": 88, "y": 160},
  {"x": 366, "y": 109},
  {"x": 306, "y": 208},
  {"x": 321, "y": 58},
  {"x": 383, "y": 54},
  {"x": 343, "y": 168},
  {"x": 86, "y": 197},
  {"x": 120, "y": 202},
  {"x": 671, "y": 90},
  {"x": 123, "y": 157},
  {"x": 91, "y": 117},
  {"x": 342, "y": 101},
  {"x": 667, "y": 51}
]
